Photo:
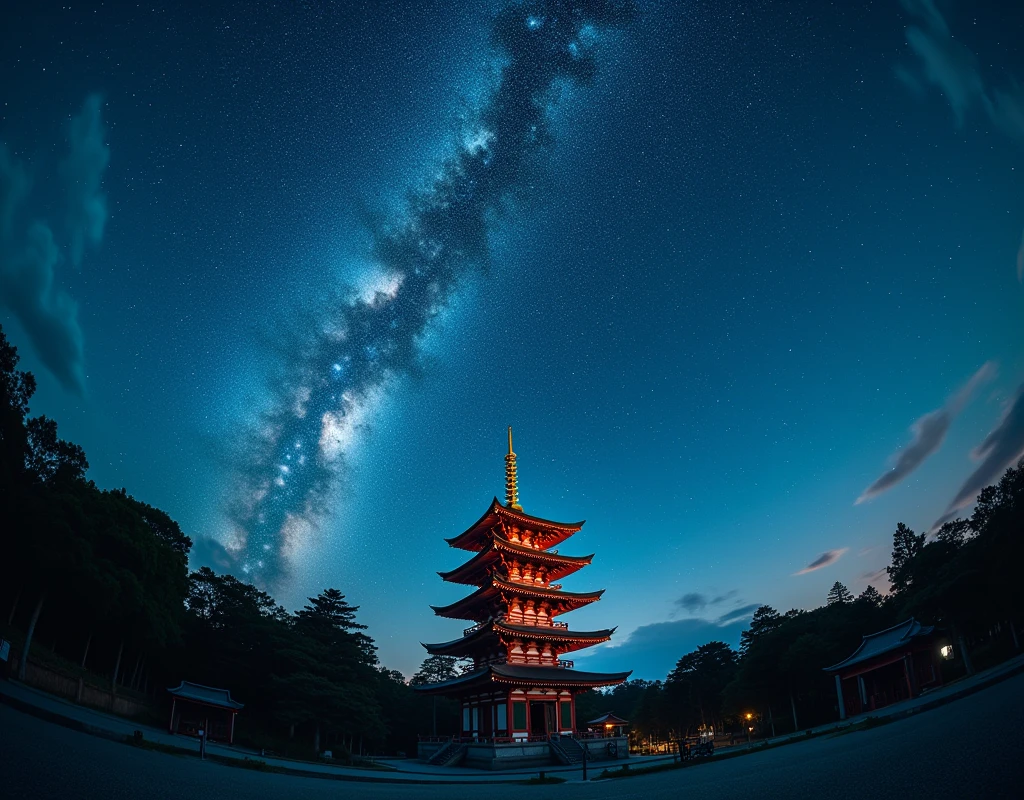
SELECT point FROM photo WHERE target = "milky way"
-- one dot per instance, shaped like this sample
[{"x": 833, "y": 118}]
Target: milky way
[{"x": 299, "y": 451}]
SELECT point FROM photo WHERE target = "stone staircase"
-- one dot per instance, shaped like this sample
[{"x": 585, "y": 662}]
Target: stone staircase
[
  {"x": 566, "y": 750},
  {"x": 450, "y": 754}
]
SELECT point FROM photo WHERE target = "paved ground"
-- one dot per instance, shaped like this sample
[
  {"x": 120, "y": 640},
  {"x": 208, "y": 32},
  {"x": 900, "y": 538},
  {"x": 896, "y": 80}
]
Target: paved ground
[
  {"x": 54, "y": 708},
  {"x": 968, "y": 748}
]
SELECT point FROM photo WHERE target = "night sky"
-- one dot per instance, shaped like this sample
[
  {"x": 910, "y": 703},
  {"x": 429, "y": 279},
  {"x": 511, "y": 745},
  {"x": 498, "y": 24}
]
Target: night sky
[{"x": 745, "y": 277}]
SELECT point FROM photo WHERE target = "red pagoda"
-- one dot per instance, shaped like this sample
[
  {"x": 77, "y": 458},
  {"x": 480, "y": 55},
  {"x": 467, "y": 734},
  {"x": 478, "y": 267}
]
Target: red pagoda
[{"x": 520, "y": 687}]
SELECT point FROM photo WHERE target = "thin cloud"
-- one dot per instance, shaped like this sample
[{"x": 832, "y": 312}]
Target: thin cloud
[
  {"x": 826, "y": 559},
  {"x": 1003, "y": 446},
  {"x": 31, "y": 255},
  {"x": 695, "y": 601},
  {"x": 738, "y": 614},
  {"x": 955, "y": 69},
  {"x": 929, "y": 433},
  {"x": 880, "y": 575},
  {"x": 692, "y": 601}
]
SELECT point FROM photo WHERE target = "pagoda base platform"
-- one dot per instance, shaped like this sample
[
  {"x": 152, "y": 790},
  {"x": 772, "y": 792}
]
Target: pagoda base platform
[{"x": 489, "y": 754}]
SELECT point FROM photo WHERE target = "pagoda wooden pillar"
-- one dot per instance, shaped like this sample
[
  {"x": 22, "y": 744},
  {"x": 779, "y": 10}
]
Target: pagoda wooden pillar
[{"x": 839, "y": 694}]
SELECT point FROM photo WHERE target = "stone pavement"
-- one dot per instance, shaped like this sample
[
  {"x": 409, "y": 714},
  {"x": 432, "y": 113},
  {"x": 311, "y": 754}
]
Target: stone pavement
[{"x": 66, "y": 713}]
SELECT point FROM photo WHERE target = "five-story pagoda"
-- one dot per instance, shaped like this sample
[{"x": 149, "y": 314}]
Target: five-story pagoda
[{"x": 520, "y": 686}]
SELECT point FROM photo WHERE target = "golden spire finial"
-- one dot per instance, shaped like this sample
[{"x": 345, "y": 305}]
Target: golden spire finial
[{"x": 511, "y": 478}]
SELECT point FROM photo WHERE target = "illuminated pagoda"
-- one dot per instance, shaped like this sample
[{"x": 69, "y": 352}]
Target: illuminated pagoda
[{"x": 520, "y": 687}]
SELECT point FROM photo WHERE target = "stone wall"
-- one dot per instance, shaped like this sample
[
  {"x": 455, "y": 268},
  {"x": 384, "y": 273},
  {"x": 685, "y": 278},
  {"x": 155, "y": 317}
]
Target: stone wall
[
  {"x": 508, "y": 755},
  {"x": 611, "y": 748}
]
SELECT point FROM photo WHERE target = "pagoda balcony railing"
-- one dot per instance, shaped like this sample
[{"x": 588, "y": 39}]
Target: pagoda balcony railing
[
  {"x": 567, "y": 664},
  {"x": 562, "y": 625},
  {"x": 475, "y": 628}
]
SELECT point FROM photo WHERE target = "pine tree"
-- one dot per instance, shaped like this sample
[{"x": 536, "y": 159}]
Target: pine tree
[
  {"x": 765, "y": 620},
  {"x": 435, "y": 669},
  {"x": 332, "y": 621},
  {"x": 873, "y": 596},
  {"x": 839, "y": 594},
  {"x": 905, "y": 545}
]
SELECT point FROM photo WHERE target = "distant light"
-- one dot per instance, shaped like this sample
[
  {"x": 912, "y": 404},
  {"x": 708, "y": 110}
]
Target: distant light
[{"x": 947, "y": 651}]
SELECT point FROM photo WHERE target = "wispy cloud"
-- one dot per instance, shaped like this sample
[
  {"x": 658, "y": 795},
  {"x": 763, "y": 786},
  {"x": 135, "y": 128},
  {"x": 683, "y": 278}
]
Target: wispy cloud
[
  {"x": 929, "y": 432},
  {"x": 30, "y": 248},
  {"x": 826, "y": 559},
  {"x": 954, "y": 68},
  {"x": 737, "y": 614},
  {"x": 695, "y": 601},
  {"x": 1003, "y": 446},
  {"x": 876, "y": 577}
]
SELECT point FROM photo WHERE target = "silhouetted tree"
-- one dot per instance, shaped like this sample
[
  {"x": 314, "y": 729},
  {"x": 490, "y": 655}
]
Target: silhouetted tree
[
  {"x": 765, "y": 620},
  {"x": 905, "y": 545},
  {"x": 871, "y": 595},
  {"x": 838, "y": 594}
]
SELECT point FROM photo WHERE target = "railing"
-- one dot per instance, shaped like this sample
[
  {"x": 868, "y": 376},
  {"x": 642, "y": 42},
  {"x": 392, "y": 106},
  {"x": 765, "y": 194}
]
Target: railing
[
  {"x": 563, "y": 625},
  {"x": 475, "y": 628},
  {"x": 567, "y": 664},
  {"x": 483, "y": 739}
]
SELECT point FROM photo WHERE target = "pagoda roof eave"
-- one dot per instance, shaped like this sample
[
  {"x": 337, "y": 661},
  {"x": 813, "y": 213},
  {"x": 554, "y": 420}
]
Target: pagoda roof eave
[
  {"x": 457, "y": 609},
  {"x": 540, "y": 591},
  {"x": 526, "y": 675},
  {"x": 549, "y": 559},
  {"x": 495, "y": 512},
  {"x": 539, "y": 632}
]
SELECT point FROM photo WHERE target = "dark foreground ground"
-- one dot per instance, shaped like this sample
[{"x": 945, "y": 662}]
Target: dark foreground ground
[{"x": 973, "y": 747}]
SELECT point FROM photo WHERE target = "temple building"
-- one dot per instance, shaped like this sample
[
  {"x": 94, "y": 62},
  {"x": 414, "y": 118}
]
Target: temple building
[
  {"x": 887, "y": 667},
  {"x": 520, "y": 689}
]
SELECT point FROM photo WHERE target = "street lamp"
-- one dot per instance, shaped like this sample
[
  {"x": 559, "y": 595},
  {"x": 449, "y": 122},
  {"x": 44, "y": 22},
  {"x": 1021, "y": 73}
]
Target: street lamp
[{"x": 749, "y": 726}]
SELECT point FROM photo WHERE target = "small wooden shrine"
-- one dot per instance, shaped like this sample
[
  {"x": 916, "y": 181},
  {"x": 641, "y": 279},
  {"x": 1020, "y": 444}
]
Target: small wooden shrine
[
  {"x": 195, "y": 708},
  {"x": 520, "y": 687},
  {"x": 887, "y": 667}
]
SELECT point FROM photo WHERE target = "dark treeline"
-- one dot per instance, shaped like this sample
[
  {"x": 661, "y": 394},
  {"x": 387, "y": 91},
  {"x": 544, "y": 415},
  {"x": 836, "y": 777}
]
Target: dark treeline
[
  {"x": 965, "y": 579},
  {"x": 96, "y": 587}
]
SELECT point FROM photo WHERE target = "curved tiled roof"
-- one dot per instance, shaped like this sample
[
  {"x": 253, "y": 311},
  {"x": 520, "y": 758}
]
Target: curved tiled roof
[
  {"x": 608, "y": 718},
  {"x": 877, "y": 644},
  {"x": 497, "y": 513},
  {"x": 207, "y": 695},
  {"x": 491, "y": 591},
  {"x": 544, "y": 633},
  {"x": 558, "y": 565},
  {"x": 524, "y": 675}
]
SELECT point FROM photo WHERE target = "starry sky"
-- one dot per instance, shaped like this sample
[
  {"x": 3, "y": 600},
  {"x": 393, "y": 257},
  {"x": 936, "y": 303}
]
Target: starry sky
[{"x": 746, "y": 278}]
